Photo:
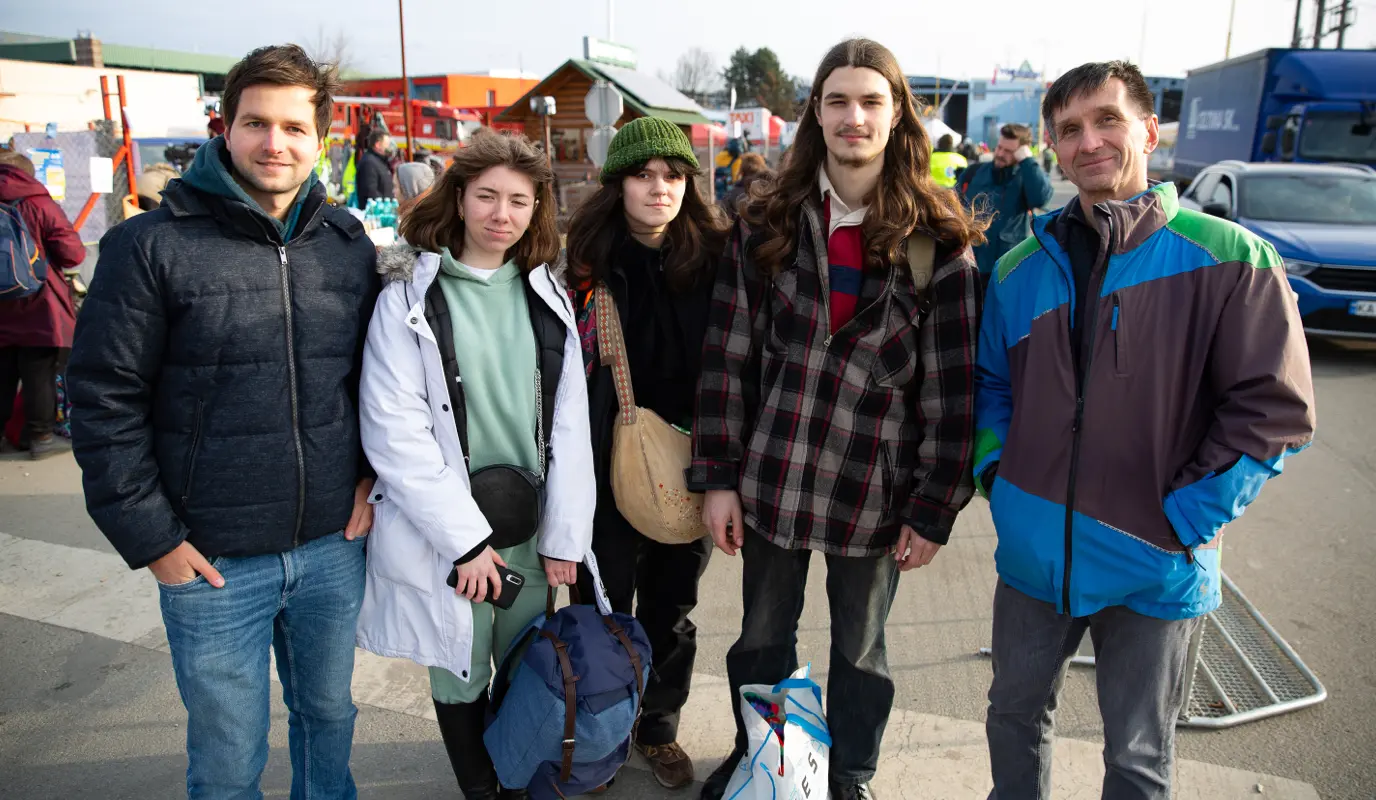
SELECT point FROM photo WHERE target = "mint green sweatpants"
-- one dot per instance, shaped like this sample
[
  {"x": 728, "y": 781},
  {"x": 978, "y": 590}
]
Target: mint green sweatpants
[{"x": 495, "y": 628}]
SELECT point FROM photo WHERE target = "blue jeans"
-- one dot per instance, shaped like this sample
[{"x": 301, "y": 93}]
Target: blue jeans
[
  {"x": 303, "y": 604},
  {"x": 1140, "y": 677}
]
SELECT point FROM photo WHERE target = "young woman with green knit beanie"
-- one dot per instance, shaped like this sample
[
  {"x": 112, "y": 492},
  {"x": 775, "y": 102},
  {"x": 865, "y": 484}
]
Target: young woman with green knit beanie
[
  {"x": 649, "y": 236},
  {"x": 473, "y": 405}
]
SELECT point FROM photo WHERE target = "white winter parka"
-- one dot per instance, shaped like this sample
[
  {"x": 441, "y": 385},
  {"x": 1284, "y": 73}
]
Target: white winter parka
[{"x": 424, "y": 517}]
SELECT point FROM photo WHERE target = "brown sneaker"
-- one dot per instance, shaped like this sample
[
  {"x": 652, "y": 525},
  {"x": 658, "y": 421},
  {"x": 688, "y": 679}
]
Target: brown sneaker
[{"x": 671, "y": 766}]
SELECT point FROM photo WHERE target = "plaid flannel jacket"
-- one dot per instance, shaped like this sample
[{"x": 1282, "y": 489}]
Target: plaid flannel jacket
[{"x": 834, "y": 439}]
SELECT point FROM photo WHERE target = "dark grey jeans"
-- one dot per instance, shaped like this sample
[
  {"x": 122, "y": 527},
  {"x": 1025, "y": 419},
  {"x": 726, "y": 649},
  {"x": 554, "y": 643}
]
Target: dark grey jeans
[
  {"x": 859, "y": 690},
  {"x": 1140, "y": 675}
]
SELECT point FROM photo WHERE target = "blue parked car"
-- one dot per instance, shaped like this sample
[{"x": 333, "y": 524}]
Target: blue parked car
[{"x": 1321, "y": 219}]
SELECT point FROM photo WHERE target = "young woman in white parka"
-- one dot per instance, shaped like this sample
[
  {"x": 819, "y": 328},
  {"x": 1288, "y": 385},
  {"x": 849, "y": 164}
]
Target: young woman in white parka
[{"x": 475, "y": 417}]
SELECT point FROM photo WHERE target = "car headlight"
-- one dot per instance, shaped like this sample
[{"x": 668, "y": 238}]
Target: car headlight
[{"x": 1294, "y": 266}]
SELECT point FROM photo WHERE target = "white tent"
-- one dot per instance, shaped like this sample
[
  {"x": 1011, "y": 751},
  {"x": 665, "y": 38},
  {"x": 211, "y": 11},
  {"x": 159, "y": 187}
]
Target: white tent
[{"x": 937, "y": 129}]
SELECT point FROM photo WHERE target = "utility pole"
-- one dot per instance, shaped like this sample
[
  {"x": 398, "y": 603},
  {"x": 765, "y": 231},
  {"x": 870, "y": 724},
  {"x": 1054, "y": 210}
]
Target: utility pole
[
  {"x": 1342, "y": 22},
  {"x": 1295, "y": 37},
  {"x": 1228, "y": 45},
  {"x": 405, "y": 81},
  {"x": 1318, "y": 24}
]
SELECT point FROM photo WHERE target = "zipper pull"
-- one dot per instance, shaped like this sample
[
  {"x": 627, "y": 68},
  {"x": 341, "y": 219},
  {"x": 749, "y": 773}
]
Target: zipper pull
[
  {"x": 282, "y": 253},
  {"x": 1079, "y": 413}
]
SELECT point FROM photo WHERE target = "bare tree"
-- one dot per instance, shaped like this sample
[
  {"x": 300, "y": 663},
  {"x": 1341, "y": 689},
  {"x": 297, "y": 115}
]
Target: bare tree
[
  {"x": 695, "y": 74},
  {"x": 332, "y": 47}
]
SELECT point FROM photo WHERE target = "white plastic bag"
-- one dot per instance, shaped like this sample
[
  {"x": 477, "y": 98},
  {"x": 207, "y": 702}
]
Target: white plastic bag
[{"x": 798, "y": 769}]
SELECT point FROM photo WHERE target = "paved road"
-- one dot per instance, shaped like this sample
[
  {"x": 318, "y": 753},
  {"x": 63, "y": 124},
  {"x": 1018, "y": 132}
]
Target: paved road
[{"x": 94, "y": 711}]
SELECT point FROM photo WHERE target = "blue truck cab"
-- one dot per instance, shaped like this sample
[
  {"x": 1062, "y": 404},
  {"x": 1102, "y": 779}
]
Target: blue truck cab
[{"x": 1279, "y": 105}]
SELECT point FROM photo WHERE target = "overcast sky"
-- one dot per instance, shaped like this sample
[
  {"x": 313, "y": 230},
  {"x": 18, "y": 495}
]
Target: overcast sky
[{"x": 960, "y": 38}]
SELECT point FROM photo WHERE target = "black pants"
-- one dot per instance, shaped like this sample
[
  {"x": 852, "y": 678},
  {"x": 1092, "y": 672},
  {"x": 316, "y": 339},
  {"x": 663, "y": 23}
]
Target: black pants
[
  {"x": 860, "y": 692},
  {"x": 661, "y": 582},
  {"x": 36, "y": 367}
]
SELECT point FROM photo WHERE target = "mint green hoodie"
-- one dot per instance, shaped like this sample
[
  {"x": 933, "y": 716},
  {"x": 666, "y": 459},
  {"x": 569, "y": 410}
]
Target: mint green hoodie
[
  {"x": 496, "y": 350},
  {"x": 210, "y": 173}
]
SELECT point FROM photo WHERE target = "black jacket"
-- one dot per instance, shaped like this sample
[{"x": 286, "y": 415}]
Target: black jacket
[
  {"x": 214, "y": 377},
  {"x": 374, "y": 178},
  {"x": 663, "y": 330}
]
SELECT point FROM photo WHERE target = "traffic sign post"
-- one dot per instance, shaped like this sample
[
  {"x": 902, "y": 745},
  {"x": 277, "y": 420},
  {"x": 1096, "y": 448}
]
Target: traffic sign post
[
  {"x": 604, "y": 104},
  {"x": 599, "y": 142},
  {"x": 603, "y": 107}
]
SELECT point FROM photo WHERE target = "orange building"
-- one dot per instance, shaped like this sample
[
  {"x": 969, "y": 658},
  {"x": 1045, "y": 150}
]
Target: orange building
[{"x": 496, "y": 89}]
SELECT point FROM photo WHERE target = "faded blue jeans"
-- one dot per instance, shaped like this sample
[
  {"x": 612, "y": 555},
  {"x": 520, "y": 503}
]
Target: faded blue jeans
[
  {"x": 1140, "y": 675},
  {"x": 304, "y": 605}
]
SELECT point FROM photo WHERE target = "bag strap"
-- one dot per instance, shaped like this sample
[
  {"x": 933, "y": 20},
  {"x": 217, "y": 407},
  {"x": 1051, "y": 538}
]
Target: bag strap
[
  {"x": 625, "y": 640},
  {"x": 611, "y": 345},
  {"x": 570, "y": 704},
  {"x": 921, "y": 260}
]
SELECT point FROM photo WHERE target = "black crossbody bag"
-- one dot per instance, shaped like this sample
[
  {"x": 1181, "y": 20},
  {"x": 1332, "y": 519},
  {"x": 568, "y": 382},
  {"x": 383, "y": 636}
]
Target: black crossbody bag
[{"x": 512, "y": 498}]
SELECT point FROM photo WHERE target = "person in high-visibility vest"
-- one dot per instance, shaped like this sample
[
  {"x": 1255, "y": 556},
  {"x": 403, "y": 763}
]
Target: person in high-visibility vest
[
  {"x": 946, "y": 163},
  {"x": 349, "y": 182}
]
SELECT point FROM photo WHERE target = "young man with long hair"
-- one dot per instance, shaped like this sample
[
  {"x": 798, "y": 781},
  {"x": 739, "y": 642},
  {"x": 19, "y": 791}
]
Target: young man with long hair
[
  {"x": 649, "y": 237},
  {"x": 836, "y": 405},
  {"x": 214, "y": 387}
]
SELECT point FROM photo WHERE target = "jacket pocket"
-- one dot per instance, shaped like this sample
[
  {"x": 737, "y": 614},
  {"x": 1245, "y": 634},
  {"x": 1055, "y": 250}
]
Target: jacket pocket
[
  {"x": 191, "y": 452},
  {"x": 886, "y": 483},
  {"x": 397, "y": 552},
  {"x": 1119, "y": 326}
]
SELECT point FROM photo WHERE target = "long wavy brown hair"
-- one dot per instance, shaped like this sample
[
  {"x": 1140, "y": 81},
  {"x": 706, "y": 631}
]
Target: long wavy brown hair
[
  {"x": 434, "y": 221},
  {"x": 695, "y": 237},
  {"x": 906, "y": 198}
]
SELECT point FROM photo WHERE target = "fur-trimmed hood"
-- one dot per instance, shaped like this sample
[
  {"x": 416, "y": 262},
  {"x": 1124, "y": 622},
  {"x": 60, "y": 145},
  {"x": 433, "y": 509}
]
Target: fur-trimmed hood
[{"x": 397, "y": 262}]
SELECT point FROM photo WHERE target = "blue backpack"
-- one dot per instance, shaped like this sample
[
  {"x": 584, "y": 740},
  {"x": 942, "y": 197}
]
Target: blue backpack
[
  {"x": 566, "y": 701},
  {"x": 23, "y": 269}
]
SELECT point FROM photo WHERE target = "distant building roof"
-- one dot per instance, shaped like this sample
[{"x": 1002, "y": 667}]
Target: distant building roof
[
  {"x": 644, "y": 94},
  {"x": 26, "y": 47}
]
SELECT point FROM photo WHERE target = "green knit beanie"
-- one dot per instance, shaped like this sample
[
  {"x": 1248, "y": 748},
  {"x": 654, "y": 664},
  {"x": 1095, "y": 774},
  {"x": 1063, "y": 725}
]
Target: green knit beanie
[{"x": 645, "y": 138}]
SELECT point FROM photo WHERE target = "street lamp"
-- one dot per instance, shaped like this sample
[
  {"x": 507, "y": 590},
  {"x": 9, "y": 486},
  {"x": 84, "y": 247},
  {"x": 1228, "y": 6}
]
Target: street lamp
[{"x": 405, "y": 82}]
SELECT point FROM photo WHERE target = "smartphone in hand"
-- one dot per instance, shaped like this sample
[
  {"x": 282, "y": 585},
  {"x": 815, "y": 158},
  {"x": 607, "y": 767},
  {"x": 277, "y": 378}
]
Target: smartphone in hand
[{"x": 512, "y": 582}]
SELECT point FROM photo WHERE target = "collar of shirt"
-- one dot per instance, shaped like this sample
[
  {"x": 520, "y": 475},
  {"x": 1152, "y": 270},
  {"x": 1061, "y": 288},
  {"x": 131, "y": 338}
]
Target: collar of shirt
[{"x": 840, "y": 215}]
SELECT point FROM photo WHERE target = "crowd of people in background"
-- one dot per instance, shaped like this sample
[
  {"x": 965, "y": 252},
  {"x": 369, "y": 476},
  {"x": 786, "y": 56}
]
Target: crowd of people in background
[{"x": 854, "y": 343}]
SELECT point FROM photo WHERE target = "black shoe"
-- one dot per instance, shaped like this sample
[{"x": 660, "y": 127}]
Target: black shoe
[
  {"x": 515, "y": 794},
  {"x": 461, "y": 726},
  {"x": 715, "y": 786},
  {"x": 860, "y": 792}
]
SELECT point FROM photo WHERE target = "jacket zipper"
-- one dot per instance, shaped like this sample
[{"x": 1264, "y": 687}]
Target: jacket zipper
[
  {"x": 295, "y": 402},
  {"x": 191, "y": 457},
  {"x": 1091, "y": 321}
]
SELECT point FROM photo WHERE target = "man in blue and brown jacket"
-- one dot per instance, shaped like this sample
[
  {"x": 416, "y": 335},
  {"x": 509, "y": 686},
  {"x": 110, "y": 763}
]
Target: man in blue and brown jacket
[{"x": 1142, "y": 372}]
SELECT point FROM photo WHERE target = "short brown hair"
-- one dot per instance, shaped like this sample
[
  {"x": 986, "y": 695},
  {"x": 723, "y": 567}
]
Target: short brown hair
[
  {"x": 282, "y": 65},
  {"x": 14, "y": 158},
  {"x": 1091, "y": 77},
  {"x": 1015, "y": 131},
  {"x": 434, "y": 222},
  {"x": 751, "y": 164}
]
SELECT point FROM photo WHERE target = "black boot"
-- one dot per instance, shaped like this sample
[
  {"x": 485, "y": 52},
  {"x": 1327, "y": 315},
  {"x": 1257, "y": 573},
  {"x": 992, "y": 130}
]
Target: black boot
[{"x": 461, "y": 726}]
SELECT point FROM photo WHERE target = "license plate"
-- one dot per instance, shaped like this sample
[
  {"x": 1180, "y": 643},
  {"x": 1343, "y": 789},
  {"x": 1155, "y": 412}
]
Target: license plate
[{"x": 1362, "y": 308}]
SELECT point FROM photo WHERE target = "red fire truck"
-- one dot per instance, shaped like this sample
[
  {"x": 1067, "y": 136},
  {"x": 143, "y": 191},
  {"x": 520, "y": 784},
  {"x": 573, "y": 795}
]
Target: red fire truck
[{"x": 435, "y": 127}]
